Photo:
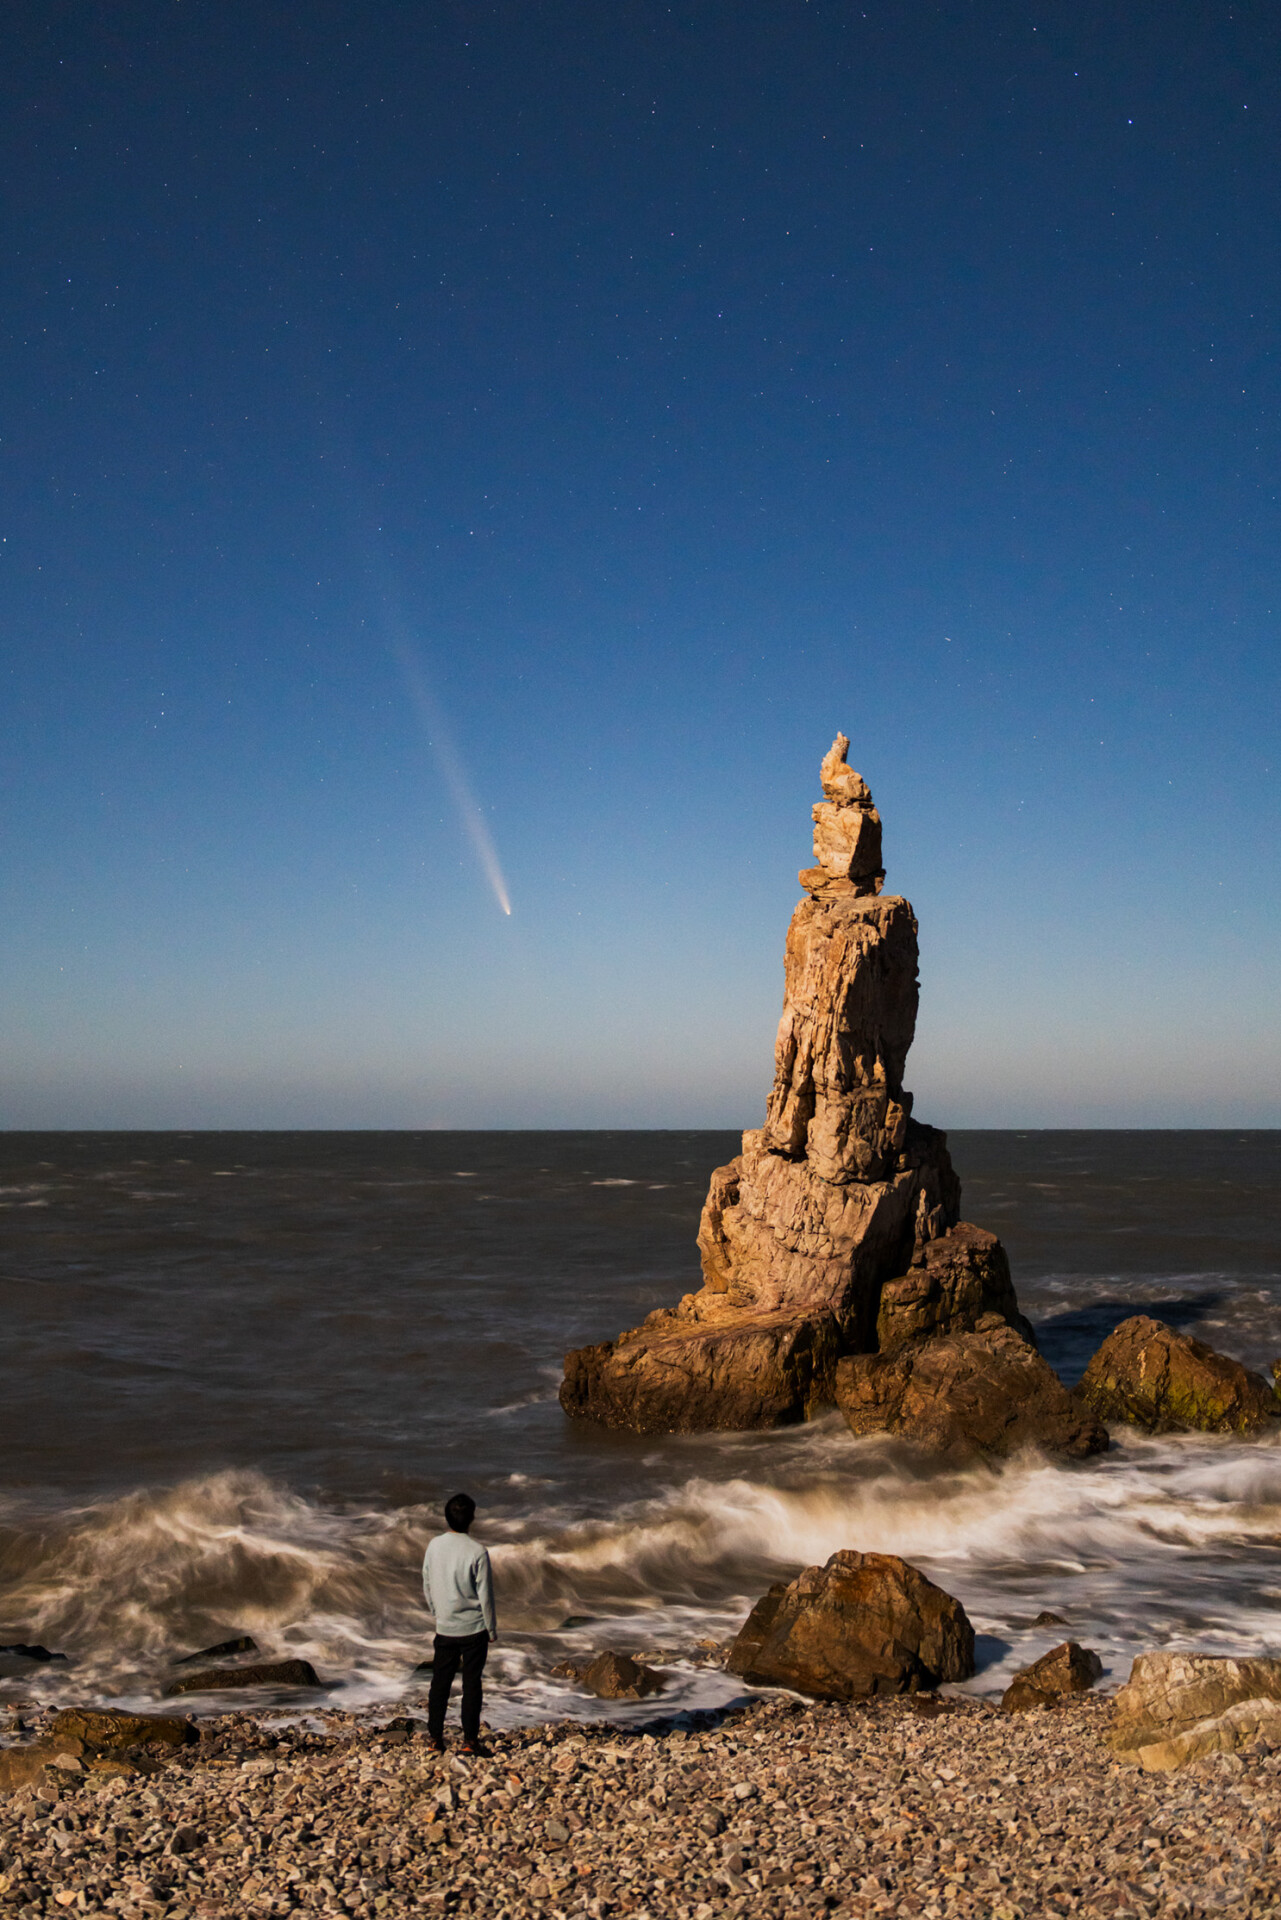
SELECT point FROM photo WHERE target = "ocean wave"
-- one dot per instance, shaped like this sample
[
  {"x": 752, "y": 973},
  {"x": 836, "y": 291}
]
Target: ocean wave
[{"x": 1160, "y": 1542}]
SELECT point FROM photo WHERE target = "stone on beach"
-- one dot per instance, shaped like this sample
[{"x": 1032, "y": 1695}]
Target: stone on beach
[
  {"x": 865, "y": 1623},
  {"x": 1166, "y": 1382},
  {"x": 1069, "y": 1668},
  {"x": 81, "y": 1738},
  {"x": 1176, "y": 1707},
  {"x": 965, "y": 1394},
  {"x": 107, "y": 1730},
  {"x": 867, "y": 1808}
]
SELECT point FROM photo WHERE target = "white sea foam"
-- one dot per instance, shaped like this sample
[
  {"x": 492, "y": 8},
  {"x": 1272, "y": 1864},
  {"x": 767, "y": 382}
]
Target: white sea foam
[{"x": 1159, "y": 1542}]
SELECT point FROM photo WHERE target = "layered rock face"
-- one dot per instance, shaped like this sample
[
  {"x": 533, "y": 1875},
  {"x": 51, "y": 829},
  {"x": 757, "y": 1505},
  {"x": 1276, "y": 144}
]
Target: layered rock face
[
  {"x": 1177, "y": 1707},
  {"x": 836, "y": 1230}
]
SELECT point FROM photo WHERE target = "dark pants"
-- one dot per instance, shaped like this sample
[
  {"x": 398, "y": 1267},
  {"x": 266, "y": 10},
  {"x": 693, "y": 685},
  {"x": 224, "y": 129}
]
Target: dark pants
[{"x": 469, "y": 1653}]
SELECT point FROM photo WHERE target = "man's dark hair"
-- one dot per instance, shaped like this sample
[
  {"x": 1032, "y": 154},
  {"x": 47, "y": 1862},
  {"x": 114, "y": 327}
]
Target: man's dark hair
[{"x": 460, "y": 1511}]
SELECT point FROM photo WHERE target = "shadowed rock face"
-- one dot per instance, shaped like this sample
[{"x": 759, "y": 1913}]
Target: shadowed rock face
[
  {"x": 1069, "y": 1668},
  {"x": 839, "y": 1193},
  {"x": 1153, "y": 1377},
  {"x": 963, "y": 1395},
  {"x": 866, "y": 1623}
]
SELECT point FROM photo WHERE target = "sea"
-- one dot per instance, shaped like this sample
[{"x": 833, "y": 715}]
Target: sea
[{"x": 243, "y": 1371}]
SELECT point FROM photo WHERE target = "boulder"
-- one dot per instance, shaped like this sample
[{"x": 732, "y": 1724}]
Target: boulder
[
  {"x": 225, "y": 1650},
  {"x": 764, "y": 1370},
  {"x": 275, "y": 1673},
  {"x": 1176, "y": 1706},
  {"x": 81, "y": 1739},
  {"x": 965, "y": 1395},
  {"x": 616, "y": 1676},
  {"x": 105, "y": 1730},
  {"x": 952, "y": 1284},
  {"x": 1069, "y": 1668},
  {"x": 866, "y": 1623},
  {"x": 1166, "y": 1382}
]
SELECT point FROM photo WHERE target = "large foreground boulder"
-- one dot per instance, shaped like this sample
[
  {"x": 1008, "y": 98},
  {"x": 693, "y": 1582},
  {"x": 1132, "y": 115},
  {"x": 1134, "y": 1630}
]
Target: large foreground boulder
[
  {"x": 1166, "y": 1382},
  {"x": 1176, "y": 1707},
  {"x": 866, "y": 1623},
  {"x": 985, "y": 1393},
  {"x": 764, "y": 1370}
]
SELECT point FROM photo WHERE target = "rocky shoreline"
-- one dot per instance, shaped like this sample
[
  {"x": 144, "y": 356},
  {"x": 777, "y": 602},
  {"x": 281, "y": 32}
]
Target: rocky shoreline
[{"x": 919, "y": 1805}]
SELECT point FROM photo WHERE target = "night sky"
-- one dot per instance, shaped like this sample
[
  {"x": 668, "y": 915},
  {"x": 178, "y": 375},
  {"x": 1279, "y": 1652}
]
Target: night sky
[{"x": 456, "y": 455}]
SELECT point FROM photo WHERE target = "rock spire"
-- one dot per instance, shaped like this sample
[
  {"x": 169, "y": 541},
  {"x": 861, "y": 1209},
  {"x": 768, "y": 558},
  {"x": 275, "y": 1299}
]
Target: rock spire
[{"x": 841, "y": 1197}]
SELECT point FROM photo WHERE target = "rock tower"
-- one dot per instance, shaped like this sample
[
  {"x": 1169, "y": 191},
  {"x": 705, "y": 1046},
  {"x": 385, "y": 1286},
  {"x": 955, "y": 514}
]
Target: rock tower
[{"x": 835, "y": 1231}]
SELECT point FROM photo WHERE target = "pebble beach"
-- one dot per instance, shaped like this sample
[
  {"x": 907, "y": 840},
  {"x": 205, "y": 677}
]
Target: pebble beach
[{"x": 910, "y": 1806}]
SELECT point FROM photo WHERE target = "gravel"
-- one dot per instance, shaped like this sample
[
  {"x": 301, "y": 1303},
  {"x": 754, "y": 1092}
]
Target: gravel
[{"x": 894, "y": 1807}]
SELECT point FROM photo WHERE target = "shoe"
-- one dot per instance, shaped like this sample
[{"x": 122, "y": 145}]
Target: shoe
[
  {"x": 436, "y": 1744},
  {"x": 476, "y": 1749}
]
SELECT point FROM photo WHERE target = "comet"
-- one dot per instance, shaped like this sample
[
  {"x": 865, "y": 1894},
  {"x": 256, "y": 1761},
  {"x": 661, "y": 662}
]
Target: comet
[{"x": 452, "y": 771}]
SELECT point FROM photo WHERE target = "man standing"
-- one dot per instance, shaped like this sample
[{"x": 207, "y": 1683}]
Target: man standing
[{"x": 459, "y": 1590}]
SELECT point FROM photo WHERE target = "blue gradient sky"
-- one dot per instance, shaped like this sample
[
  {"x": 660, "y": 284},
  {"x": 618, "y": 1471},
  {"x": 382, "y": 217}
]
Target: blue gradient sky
[{"x": 593, "y": 408}]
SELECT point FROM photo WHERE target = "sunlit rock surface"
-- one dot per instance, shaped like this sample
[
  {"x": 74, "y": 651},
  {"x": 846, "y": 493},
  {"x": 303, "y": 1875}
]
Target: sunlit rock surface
[{"x": 842, "y": 1210}]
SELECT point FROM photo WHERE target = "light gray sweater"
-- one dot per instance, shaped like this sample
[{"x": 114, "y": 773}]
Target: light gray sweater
[{"x": 458, "y": 1586}]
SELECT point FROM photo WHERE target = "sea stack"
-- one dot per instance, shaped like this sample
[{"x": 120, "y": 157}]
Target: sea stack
[{"x": 841, "y": 1210}]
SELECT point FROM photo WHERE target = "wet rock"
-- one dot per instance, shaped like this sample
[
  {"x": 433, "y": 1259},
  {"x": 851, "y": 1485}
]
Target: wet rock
[
  {"x": 1177, "y": 1706},
  {"x": 966, "y": 1394},
  {"x": 1047, "y": 1619},
  {"x": 105, "y": 1730},
  {"x": 20, "y": 1650},
  {"x": 1069, "y": 1668},
  {"x": 274, "y": 1673},
  {"x": 865, "y": 1623},
  {"x": 761, "y": 1370},
  {"x": 952, "y": 1284},
  {"x": 616, "y": 1676},
  {"x": 1166, "y": 1382},
  {"x": 81, "y": 1739},
  {"x": 224, "y": 1650},
  {"x": 1024, "y": 1696}
]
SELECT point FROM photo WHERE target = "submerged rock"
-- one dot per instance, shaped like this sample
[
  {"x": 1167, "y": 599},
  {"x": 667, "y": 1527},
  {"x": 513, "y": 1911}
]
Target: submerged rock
[
  {"x": 274, "y": 1673},
  {"x": 616, "y": 1676},
  {"x": 826, "y": 1220},
  {"x": 1069, "y": 1668},
  {"x": 965, "y": 1394},
  {"x": 866, "y": 1623},
  {"x": 224, "y": 1650},
  {"x": 1166, "y": 1382},
  {"x": 1175, "y": 1707}
]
